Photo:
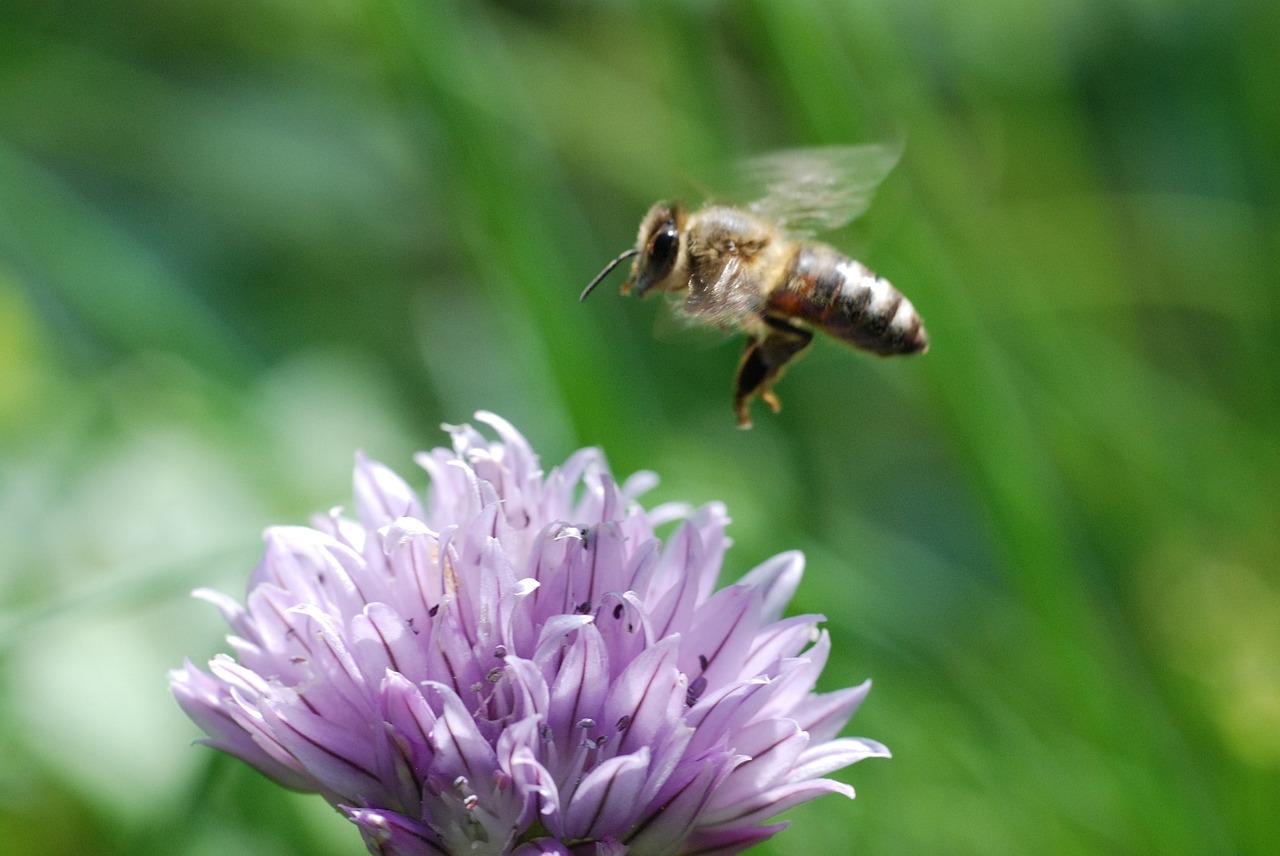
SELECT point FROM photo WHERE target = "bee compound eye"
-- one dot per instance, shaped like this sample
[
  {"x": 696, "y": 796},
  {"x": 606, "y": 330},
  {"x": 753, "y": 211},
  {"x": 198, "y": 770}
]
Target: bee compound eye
[
  {"x": 658, "y": 259},
  {"x": 662, "y": 249}
]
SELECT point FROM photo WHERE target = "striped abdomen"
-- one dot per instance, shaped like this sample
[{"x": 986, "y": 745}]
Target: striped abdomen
[{"x": 846, "y": 299}]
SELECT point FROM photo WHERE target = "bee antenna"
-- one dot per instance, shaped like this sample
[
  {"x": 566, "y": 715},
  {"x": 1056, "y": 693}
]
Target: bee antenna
[{"x": 607, "y": 269}]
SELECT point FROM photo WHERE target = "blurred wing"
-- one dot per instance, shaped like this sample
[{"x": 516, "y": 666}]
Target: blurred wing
[
  {"x": 705, "y": 314},
  {"x": 815, "y": 190},
  {"x": 674, "y": 323},
  {"x": 727, "y": 298}
]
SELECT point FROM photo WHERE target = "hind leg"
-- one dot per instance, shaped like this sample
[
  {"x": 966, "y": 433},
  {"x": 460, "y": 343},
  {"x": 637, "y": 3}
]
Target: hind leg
[{"x": 762, "y": 364}]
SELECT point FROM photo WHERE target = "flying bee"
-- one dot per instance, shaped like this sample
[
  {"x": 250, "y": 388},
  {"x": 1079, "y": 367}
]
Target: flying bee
[{"x": 757, "y": 270}]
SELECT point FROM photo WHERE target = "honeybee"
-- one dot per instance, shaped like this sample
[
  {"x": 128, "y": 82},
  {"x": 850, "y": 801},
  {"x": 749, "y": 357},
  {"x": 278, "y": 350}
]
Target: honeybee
[{"x": 756, "y": 269}]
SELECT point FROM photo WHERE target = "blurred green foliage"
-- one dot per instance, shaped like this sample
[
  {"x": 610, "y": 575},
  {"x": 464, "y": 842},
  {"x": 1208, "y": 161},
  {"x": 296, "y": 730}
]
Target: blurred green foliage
[{"x": 239, "y": 241}]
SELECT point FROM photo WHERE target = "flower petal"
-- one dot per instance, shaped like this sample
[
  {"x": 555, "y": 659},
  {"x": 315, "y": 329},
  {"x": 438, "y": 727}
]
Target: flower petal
[
  {"x": 778, "y": 641},
  {"x": 824, "y": 715},
  {"x": 607, "y": 800},
  {"x": 778, "y": 579},
  {"x": 340, "y": 762},
  {"x": 542, "y": 847},
  {"x": 721, "y": 635},
  {"x": 646, "y": 699},
  {"x": 460, "y": 749},
  {"x": 382, "y": 639},
  {"x": 725, "y": 841},
  {"x": 202, "y": 698},
  {"x": 772, "y": 802},
  {"x": 518, "y": 753},
  {"x": 674, "y": 810},
  {"x": 835, "y": 755},
  {"x": 771, "y": 748},
  {"x": 580, "y": 684},
  {"x": 722, "y": 713},
  {"x": 382, "y": 496},
  {"x": 393, "y": 833}
]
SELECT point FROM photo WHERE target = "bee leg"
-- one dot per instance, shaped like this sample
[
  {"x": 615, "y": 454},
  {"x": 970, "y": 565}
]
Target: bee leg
[{"x": 762, "y": 363}]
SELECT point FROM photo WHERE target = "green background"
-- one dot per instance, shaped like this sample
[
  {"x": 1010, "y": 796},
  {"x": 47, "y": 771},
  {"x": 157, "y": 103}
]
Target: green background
[{"x": 240, "y": 240}]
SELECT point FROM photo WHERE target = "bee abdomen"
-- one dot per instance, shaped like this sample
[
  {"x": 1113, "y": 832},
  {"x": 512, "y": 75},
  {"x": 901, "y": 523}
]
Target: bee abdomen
[{"x": 847, "y": 299}]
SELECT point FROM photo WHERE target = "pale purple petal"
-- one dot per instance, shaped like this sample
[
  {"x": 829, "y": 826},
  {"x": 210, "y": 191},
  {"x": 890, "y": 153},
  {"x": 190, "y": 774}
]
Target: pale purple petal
[
  {"x": 834, "y": 755},
  {"x": 607, "y": 800},
  {"x": 824, "y": 715},
  {"x": 581, "y": 680},
  {"x": 381, "y": 495},
  {"x": 721, "y": 635},
  {"x": 772, "y": 748},
  {"x": 381, "y": 640},
  {"x": 646, "y": 699},
  {"x": 777, "y": 578},
  {"x": 780, "y": 640},
  {"x": 461, "y": 751},
  {"x": 202, "y": 698},
  {"x": 721, "y": 714},
  {"x": 723, "y": 841},
  {"x": 542, "y": 847},
  {"x": 682, "y": 799},
  {"x": 796, "y": 677},
  {"x": 389, "y": 832},
  {"x": 763, "y": 805},
  {"x": 675, "y": 583},
  {"x": 519, "y": 759},
  {"x": 340, "y": 762}
]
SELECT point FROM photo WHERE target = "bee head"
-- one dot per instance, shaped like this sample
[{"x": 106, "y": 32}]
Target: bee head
[
  {"x": 658, "y": 245},
  {"x": 657, "y": 252}
]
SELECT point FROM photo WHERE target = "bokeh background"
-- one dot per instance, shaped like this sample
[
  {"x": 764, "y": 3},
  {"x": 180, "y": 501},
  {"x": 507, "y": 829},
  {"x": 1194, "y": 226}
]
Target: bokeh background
[{"x": 239, "y": 241}]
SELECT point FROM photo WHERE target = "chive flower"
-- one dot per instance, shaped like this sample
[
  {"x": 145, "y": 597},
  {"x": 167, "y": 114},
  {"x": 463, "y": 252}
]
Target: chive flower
[{"x": 517, "y": 665}]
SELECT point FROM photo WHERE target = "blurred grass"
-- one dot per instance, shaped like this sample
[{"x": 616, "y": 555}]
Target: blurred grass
[{"x": 237, "y": 243}]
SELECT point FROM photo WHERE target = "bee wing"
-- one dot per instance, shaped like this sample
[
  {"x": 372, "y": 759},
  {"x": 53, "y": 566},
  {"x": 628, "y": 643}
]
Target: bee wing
[
  {"x": 807, "y": 191},
  {"x": 699, "y": 331},
  {"x": 709, "y": 311},
  {"x": 727, "y": 298}
]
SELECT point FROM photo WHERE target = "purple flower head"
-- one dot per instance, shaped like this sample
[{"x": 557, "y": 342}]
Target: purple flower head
[{"x": 518, "y": 665}]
